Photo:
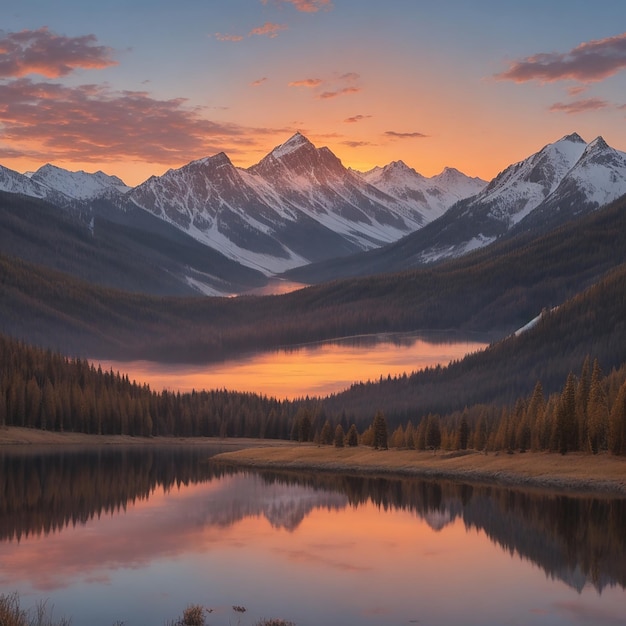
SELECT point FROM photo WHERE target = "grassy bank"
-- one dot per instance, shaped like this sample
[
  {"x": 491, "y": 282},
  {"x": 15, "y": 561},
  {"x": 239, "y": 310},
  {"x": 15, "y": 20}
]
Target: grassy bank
[
  {"x": 571, "y": 472},
  {"x": 10, "y": 436}
]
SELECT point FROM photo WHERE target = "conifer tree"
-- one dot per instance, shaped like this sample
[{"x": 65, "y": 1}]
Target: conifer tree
[
  {"x": 339, "y": 436},
  {"x": 597, "y": 423},
  {"x": 380, "y": 431},
  {"x": 353, "y": 436},
  {"x": 617, "y": 423}
]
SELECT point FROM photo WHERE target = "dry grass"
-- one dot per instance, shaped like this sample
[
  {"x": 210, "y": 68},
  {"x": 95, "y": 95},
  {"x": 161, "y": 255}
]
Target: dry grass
[
  {"x": 14, "y": 435},
  {"x": 577, "y": 472}
]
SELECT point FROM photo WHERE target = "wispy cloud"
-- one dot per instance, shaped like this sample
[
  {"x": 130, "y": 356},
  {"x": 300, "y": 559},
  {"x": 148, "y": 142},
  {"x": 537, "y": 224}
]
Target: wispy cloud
[
  {"x": 269, "y": 28},
  {"x": 356, "y": 144},
  {"x": 259, "y": 81},
  {"x": 306, "y": 6},
  {"x": 396, "y": 135},
  {"x": 579, "y": 106},
  {"x": 356, "y": 118},
  {"x": 90, "y": 123},
  {"x": 226, "y": 37},
  {"x": 48, "y": 54},
  {"x": 306, "y": 82},
  {"x": 590, "y": 61},
  {"x": 325, "y": 95},
  {"x": 576, "y": 90}
]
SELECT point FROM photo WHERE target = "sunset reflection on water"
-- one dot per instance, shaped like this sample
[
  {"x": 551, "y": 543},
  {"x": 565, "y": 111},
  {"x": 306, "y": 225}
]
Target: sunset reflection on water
[{"x": 314, "y": 370}]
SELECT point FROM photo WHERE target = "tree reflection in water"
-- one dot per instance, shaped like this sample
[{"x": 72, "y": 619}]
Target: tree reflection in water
[{"x": 576, "y": 539}]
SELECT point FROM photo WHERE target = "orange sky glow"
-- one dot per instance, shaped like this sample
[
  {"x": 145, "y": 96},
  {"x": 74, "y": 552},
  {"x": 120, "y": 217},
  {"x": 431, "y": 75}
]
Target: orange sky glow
[{"x": 471, "y": 86}]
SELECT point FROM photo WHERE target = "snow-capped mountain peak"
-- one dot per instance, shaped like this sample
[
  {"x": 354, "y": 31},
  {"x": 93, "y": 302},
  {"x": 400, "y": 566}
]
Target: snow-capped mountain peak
[
  {"x": 78, "y": 185},
  {"x": 295, "y": 142}
]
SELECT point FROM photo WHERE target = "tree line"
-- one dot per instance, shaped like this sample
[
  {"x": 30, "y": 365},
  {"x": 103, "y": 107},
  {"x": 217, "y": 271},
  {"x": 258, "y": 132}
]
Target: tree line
[{"x": 45, "y": 390}]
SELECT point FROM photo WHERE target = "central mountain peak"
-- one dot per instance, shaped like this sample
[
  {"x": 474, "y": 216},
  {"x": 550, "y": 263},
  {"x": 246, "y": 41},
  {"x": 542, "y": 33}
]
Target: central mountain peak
[{"x": 292, "y": 144}]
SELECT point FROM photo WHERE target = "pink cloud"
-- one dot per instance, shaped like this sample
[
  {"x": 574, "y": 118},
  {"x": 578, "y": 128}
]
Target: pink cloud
[
  {"x": 89, "y": 123},
  {"x": 50, "y": 55},
  {"x": 259, "y": 81},
  {"x": 306, "y": 6},
  {"x": 395, "y": 135},
  {"x": 306, "y": 82},
  {"x": 590, "y": 61},
  {"x": 339, "y": 92},
  {"x": 579, "y": 106},
  {"x": 269, "y": 28}
]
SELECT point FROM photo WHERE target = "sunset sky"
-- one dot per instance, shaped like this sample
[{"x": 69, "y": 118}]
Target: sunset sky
[{"x": 136, "y": 87}]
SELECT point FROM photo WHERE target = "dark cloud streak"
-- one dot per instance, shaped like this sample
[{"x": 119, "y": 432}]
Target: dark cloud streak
[
  {"x": 50, "y": 55},
  {"x": 589, "y": 62}
]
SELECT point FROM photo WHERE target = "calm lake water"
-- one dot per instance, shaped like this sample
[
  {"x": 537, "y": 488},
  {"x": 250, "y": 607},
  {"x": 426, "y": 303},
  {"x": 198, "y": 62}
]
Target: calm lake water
[
  {"x": 311, "y": 369},
  {"x": 136, "y": 535}
]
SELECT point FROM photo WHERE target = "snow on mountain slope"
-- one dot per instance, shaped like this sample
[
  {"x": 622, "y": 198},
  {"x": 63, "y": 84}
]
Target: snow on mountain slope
[
  {"x": 564, "y": 179},
  {"x": 522, "y": 187},
  {"x": 14, "y": 182},
  {"x": 78, "y": 185},
  {"x": 430, "y": 198},
  {"x": 315, "y": 182},
  {"x": 298, "y": 204}
]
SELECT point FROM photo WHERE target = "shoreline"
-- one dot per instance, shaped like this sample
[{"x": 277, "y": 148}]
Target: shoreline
[
  {"x": 12, "y": 437},
  {"x": 572, "y": 473}
]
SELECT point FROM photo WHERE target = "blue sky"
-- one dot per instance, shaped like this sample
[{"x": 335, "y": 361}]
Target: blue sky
[{"x": 136, "y": 87}]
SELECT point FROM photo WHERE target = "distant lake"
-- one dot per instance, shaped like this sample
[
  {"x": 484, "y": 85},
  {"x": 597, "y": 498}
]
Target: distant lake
[
  {"x": 312, "y": 369},
  {"x": 135, "y": 535}
]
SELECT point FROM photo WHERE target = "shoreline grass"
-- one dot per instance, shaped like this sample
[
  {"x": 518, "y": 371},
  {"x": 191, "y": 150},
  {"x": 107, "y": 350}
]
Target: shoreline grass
[{"x": 574, "y": 472}]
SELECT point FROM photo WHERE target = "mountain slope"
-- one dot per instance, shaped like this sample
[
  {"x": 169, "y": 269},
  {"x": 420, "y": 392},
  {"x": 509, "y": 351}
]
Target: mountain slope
[
  {"x": 496, "y": 290},
  {"x": 430, "y": 198},
  {"x": 562, "y": 181},
  {"x": 138, "y": 253},
  {"x": 299, "y": 204},
  {"x": 78, "y": 185}
]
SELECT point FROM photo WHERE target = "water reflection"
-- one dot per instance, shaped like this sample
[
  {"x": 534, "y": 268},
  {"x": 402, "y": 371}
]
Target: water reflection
[
  {"x": 176, "y": 528},
  {"x": 316, "y": 369}
]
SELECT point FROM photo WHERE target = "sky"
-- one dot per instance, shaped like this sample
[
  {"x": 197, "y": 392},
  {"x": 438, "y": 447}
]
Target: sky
[{"x": 135, "y": 87}]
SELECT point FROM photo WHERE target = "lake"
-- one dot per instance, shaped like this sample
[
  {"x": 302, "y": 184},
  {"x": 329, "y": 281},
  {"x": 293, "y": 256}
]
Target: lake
[
  {"x": 136, "y": 534},
  {"x": 316, "y": 369}
]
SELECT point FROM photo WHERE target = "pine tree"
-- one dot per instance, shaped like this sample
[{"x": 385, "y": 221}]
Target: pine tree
[
  {"x": 353, "y": 436},
  {"x": 617, "y": 423},
  {"x": 597, "y": 424},
  {"x": 433, "y": 433},
  {"x": 566, "y": 425},
  {"x": 339, "y": 436},
  {"x": 380, "y": 431},
  {"x": 463, "y": 431}
]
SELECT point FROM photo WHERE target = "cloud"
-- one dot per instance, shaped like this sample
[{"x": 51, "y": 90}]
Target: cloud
[
  {"x": 579, "y": 106},
  {"x": 306, "y": 6},
  {"x": 356, "y": 118},
  {"x": 350, "y": 76},
  {"x": 306, "y": 82},
  {"x": 269, "y": 28},
  {"x": 590, "y": 61},
  {"x": 90, "y": 123},
  {"x": 221, "y": 37},
  {"x": 576, "y": 90},
  {"x": 339, "y": 92},
  {"x": 356, "y": 144},
  {"x": 48, "y": 54},
  {"x": 259, "y": 81},
  {"x": 396, "y": 135}
]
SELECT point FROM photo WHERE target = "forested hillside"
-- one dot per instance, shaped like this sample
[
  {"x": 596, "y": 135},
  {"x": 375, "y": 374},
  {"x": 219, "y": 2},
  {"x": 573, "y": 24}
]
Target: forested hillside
[{"x": 496, "y": 290}]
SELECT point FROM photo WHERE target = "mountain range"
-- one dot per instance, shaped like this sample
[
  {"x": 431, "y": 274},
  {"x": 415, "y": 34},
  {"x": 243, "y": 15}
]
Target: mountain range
[
  {"x": 212, "y": 228},
  {"x": 298, "y": 205},
  {"x": 563, "y": 181}
]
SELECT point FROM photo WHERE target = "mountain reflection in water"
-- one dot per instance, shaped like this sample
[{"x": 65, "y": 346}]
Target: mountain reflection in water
[{"x": 85, "y": 517}]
